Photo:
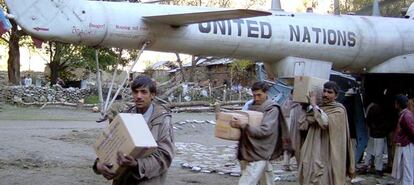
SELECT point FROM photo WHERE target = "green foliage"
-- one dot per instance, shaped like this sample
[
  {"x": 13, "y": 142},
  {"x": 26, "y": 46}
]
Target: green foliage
[
  {"x": 107, "y": 58},
  {"x": 238, "y": 70},
  {"x": 310, "y": 3},
  {"x": 92, "y": 99},
  {"x": 149, "y": 71},
  {"x": 388, "y": 8},
  {"x": 353, "y": 5},
  {"x": 66, "y": 57},
  {"x": 241, "y": 65}
]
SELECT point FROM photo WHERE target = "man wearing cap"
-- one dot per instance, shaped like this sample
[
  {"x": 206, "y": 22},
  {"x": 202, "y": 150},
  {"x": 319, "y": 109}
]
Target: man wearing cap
[{"x": 260, "y": 144}]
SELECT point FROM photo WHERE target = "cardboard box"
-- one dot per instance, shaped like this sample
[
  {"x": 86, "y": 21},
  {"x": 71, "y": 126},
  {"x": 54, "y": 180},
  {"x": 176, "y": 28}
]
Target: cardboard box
[
  {"x": 128, "y": 133},
  {"x": 223, "y": 129},
  {"x": 303, "y": 85}
]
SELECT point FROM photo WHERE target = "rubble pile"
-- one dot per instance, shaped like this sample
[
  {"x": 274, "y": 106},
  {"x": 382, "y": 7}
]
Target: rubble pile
[
  {"x": 3, "y": 78},
  {"x": 33, "y": 94},
  {"x": 220, "y": 159},
  {"x": 179, "y": 125},
  {"x": 206, "y": 94},
  {"x": 208, "y": 159},
  {"x": 1, "y": 95}
]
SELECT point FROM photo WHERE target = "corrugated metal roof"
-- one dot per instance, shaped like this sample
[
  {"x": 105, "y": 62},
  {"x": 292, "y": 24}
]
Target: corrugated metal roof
[
  {"x": 159, "y": 64},
  {"x": 221, "y": 61},
  {"x": 206, "y": 62}
]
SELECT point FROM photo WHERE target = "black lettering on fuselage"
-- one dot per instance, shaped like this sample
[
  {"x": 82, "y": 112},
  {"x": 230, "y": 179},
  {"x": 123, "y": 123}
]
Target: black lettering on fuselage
[
  {"x": 252, "y": 29},
  {"x": 323, "y": 36},
  {"x": 341, "y": 38},
  {"x": 249, "y": 28},
  {"x": 295, "y": 32},
  {"x": 204, "y": 29},
  {"x": 352, "y": 39},
  {"x": 219, "y": 25},
  {"x": 331, "y": 37},
  {"x": 317, "y": 31},
  {"x": 228, "y": 27},
  {"x": 266, "y": 30},
  {"x": 306, "y": 35},
  {"x": 239, "y": 28}
]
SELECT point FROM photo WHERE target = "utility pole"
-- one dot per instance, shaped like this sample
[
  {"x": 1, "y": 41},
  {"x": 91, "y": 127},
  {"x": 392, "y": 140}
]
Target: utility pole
[
  {"x": 336, "y": 7},
  {"x": 376, "y": 9}
]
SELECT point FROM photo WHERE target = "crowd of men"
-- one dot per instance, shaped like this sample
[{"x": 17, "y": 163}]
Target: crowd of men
[{"x": 319, "y": 138}]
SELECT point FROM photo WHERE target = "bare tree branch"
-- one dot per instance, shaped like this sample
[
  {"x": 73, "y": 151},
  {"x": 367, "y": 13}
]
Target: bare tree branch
[{"x": 5, "y": 40}]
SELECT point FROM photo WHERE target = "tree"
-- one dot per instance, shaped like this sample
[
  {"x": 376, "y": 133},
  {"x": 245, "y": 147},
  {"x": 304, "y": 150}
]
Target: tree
[
  {"x": 310, "y": 3},
  {"x": 194, "y": 60},
  {"x": 13, "y": 62},
  {"x": 253, "y": 3},
  {"x": 62, "y": 56},
  {"x": 108, "y": 58},
  {"x": 388, "y": 8},
  {"x": 182, "y": 70},
  {"x": 346, "y": 6},
  {"x": 239, "y": 71},
  {"x": 13, "y": 38}
]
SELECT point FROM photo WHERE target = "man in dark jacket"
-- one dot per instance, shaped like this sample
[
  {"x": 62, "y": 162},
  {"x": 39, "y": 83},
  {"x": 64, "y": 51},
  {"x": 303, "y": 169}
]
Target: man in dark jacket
[
  {"x": 377, "y": 127},
  {"x": 151, "y": 170},
  {"x": 258, "y": 145}
]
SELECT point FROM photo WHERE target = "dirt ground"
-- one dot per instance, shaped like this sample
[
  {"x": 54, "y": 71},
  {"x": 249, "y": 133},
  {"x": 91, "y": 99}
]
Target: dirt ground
[{"x": 54, "y": 146}]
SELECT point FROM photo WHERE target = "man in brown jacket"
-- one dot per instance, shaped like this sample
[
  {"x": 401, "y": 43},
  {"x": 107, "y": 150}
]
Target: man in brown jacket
[
  {"x": 258, "y": 145},
  {"x": 327, "y": 155},
  {"x": 151, "y": 170}
]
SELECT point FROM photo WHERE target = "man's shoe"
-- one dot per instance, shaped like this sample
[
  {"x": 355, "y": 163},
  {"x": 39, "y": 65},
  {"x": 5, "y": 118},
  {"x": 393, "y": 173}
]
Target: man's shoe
[
  {"x": 102, "y": 119},
  {"x": 379, "y": 173},
  {"x": 363, "y": 170},
  {"x": 387, "y": 169}
]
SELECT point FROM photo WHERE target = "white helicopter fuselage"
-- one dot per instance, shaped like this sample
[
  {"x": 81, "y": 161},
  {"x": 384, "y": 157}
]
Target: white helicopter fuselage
[{"x": 349, "y": 42}]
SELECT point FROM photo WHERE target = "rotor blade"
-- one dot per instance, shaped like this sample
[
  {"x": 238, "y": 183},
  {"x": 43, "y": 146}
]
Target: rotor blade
[{"x": 199, "y": 17}]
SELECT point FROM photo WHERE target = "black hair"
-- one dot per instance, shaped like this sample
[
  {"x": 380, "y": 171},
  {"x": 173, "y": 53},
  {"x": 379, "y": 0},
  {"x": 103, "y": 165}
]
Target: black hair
[
  {"x": 331, "y": 85},
  {"x": 144, "y": 81},
  {"x": 260, "y": 86},
  {"x": 402, "y": 101},
  {"x": 118, "y": 97}
]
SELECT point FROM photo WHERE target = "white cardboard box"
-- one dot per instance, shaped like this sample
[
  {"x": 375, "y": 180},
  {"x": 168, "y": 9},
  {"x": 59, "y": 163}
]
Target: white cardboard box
[
  {"x": 128, "y": 133},
  {"x": 303, "y": 85},
  {"x": 223, "y": 129}
]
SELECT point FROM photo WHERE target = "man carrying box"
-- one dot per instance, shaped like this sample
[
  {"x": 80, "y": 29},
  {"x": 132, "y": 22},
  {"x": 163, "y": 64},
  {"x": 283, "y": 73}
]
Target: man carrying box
[
  {"x": 327, "y": 155},
  {"x": 260, "y": 144},
  {"x": 152, "y": 169}
]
